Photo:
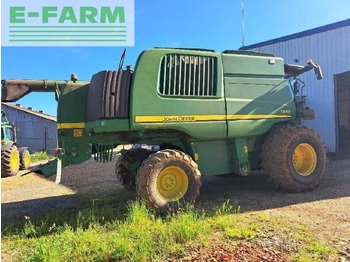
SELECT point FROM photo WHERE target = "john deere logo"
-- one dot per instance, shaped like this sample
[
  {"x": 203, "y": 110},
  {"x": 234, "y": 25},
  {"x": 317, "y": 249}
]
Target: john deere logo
[{"x": 56, "y": 23}]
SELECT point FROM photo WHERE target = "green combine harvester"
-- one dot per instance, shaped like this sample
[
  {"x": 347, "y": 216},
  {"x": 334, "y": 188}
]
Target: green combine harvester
[
  {"x": 208, "y": 113},
  {"x": 12, "y": 158}
]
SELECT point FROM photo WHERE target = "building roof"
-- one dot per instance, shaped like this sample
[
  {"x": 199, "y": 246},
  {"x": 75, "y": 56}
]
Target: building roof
[
  {"x": 316, "y": 30},
  {"x": 29, "y": 110}
]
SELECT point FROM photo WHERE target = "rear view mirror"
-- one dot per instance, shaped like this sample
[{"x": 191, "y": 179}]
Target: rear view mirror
[{"x": 318, "y": 72}]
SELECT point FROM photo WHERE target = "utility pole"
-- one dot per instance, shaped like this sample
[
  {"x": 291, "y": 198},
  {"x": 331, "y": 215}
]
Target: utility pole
[{"x": 242, "y": 22}]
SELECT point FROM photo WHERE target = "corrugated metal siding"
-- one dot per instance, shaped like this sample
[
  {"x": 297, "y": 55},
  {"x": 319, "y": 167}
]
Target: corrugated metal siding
[
  {"x": 31, "y": 130},
  {"x": 331, "y": 50}
]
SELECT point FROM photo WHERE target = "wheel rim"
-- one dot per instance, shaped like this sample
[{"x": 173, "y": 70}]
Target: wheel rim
[
  {"x": 14, "y": 160},
  {"x": 172, "y": 183},
  {"x": 304, "y": 159},
  {"x": 26, "y": 160}
]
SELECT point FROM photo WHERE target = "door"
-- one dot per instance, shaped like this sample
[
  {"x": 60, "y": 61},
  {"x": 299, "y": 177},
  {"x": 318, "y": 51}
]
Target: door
[{"x": 342, "y": 87}]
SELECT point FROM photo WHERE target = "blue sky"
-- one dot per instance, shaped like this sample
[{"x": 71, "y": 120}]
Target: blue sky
[{"x": 182, "y": 23}]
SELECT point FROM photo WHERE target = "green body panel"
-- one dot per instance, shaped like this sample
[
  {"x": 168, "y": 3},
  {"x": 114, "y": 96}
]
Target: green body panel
[
  {"x": 102, "y": 126},
  {"x": 255, "y": 88},
  {"x": 237, "y": 156},
  {"x": 258, "y": 64},
  {"x": 147, "y": 101},
  {"x": 72, "y": 102},
  {"x": 71, "y": 108},
  {"x": 74, "y": 150},
  {"x": 241, "y": 156},
  {"x": 214, "y": 157}
]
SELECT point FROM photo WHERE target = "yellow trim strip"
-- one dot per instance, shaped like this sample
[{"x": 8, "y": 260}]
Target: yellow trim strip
[
  {"x": 244, "y": 117},
  {"x": 70, "y": 125},
  {"x": 195, "y": 118},
  {"x": 187, "y": 118}
]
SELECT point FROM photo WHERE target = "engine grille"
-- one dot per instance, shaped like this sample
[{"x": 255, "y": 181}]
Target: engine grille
[{"x": 185, "y": 75}]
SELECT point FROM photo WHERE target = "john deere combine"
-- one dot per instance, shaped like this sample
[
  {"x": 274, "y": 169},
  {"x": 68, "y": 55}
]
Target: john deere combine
[
  {"x": 208, "y": 113},
  {"x": 12, "y": 157}
]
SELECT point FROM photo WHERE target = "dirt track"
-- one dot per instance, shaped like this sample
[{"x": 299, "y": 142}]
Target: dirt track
[{"x": 326, "y": 209}]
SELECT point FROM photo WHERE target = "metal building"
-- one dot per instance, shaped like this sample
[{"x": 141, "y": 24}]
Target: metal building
[
  {"x": 35, "y": 129},
  {"x": 329, "y": 46}
]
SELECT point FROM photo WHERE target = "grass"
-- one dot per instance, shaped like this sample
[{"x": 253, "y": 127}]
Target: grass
[
  {"x": 40, "y": 156},
  {"x": 94, "y": 236},
  {"x": 102, "y": 232}
]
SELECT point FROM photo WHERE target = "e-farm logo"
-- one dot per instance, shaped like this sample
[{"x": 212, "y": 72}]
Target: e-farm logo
[{"x": 68, "y": 23}]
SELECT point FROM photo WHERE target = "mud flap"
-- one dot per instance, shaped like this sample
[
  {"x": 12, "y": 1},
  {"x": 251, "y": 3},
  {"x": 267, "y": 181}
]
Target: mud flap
[
  {"x": 47, "y": 169},
  {"x": 59, "y": 171}
]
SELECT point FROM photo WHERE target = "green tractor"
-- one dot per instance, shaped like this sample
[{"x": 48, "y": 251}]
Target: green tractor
[
  {"x": 12, "y": 158},
  {"x": 198, "y": 111}
]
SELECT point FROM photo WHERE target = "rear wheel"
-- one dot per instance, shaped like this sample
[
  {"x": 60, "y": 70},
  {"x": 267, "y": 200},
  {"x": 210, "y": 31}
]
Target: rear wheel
[
  {"x": 167, "y": 180},
  {"x": 130, "y": 160},
  {"x": 124, "y": 176},
  {"x": 294, "y": 158},
  {"x": 10, "y": 161},
  {"x": 25, "y": 159}
]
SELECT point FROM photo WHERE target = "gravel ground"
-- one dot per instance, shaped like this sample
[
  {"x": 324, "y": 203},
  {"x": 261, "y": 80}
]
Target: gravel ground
[{"x": 326, "y": 210}]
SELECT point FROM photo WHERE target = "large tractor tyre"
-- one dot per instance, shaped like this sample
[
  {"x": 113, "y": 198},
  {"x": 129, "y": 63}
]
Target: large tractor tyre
[
  {"x": 24, "y": 159},
  {"x": 168, "y": 180},
  {"x": 294, "y": 158},
  {"x": 10, "y": 161},
  {"x": 124, "y": 175}
]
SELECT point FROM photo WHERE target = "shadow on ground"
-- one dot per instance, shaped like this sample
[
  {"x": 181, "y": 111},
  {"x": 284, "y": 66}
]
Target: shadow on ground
[{"x": 251, "y": 193}]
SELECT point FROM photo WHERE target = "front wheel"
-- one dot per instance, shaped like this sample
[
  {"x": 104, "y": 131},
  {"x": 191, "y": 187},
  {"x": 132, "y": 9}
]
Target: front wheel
[
  {"x": 294, "y": 158},
  {"x": 167, "y": 180}
]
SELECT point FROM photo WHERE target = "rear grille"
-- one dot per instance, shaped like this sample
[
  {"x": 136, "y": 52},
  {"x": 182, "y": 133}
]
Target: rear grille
[
  {"x": 184, "y": 75},
  {"x": 102, "y": 152}
]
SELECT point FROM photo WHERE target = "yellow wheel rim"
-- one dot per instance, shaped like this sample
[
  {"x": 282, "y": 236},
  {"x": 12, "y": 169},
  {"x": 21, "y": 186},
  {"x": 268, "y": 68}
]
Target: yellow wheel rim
[
  {"x": 26, "y": 160},
  {"x": 172, "y": 183},
  {"x": 14, "y": 160},
  {"x": 304, "y": 159}
]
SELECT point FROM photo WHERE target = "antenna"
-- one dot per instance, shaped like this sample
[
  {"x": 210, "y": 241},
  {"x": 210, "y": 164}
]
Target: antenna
[{"x": 242, "y": 22}]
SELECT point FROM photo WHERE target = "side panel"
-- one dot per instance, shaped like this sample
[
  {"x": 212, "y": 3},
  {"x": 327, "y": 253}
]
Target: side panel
[
  {"x": 213, "y": 157},
  {"x": 72, "y": 104},
  {"x": 257, "y": 95},
  {"x": 199, "y": 116},
  {"x": 71, "y": 120}
]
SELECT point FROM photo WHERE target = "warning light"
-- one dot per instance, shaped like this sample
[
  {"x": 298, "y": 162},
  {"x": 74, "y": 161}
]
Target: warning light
[
  {"x": 73, "y": 77},
  {"x": 57, "y": 151}
]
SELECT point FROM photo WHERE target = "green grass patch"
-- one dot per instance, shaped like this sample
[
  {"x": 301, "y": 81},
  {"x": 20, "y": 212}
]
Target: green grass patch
[
  {"x": 40, "y": 156},
  {"x": 103, "y": 232}
]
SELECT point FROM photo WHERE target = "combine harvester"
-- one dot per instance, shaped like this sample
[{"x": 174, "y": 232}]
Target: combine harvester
[{"x": 208, "y": 113}]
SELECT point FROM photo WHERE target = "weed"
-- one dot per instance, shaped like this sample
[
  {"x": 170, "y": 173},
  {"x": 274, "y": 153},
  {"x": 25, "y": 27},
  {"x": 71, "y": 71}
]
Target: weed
[
  {"x": 312, "y": 249},
  {"x": 240, "y": 233},
  {"x": 40, "y": 156},
  {"x": 264, "y": 217},
  {"x": 319, "y": 248},
  {"x": 225, "y": 209}
]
